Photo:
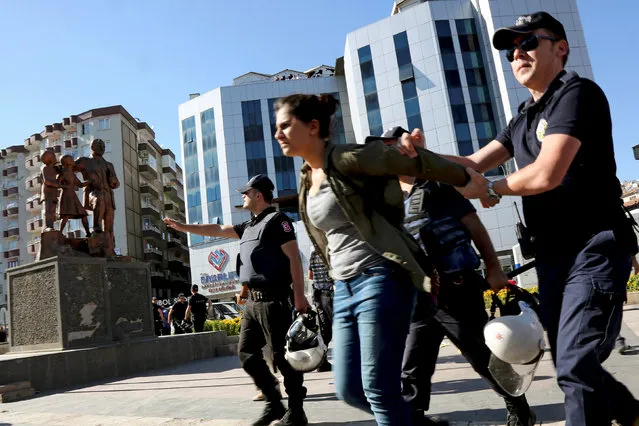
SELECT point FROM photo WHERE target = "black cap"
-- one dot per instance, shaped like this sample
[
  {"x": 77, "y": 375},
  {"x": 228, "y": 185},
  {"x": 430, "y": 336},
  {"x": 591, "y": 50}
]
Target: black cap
[
  {"x": 260, "y": 182},
  {"x": 194, "y": 287},
  {"x": 389, "y": 135},
  {"x": 181, "y": 295},
  {"x": 503, "y": 38}
]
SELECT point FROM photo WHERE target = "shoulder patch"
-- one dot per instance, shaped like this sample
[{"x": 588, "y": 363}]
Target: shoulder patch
[
  {"x": 541, "y": 129},
  {"x": 286, "y": 226}
]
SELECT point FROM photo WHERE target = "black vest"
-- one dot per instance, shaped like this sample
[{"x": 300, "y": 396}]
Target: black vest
[{"x": 264, "y": 266}]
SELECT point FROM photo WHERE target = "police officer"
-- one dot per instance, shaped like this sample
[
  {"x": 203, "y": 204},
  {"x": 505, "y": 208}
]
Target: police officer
[
  {"x": 158, "y": 316},
  {"x": 561, "y": 139},
  {"x": 270, "y": 262},
  {"x": 323, "y": 300},
  {"x": 177, "y": 315},
  {"x": 444, "y": 223},
  {"x": 197, "y": 309}
]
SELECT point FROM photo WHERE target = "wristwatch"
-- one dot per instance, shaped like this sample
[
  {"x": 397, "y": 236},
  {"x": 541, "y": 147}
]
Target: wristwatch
[{"x": 491, "y": 191}]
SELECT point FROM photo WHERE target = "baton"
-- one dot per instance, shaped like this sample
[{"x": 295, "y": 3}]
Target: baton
[{"x": 528, "y": 266}]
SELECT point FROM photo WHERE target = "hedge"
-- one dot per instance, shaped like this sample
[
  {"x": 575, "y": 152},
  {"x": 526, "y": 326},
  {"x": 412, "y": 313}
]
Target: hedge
[
  {"x": 231, "y": 326},
  {"x": 633, "y": 285}
]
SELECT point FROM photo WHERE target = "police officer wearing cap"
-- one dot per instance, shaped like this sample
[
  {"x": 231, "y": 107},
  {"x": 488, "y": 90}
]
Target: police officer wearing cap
[
  {"x": 561, "y": 139},
  {"x": 270, "y": 262}
]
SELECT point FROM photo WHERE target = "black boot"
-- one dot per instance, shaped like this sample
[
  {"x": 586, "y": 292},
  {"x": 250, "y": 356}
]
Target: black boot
[
  {"x": 294, "y": 417},
  {"x": 274, "y": 410},
  {"x": 519, "y": 412}
]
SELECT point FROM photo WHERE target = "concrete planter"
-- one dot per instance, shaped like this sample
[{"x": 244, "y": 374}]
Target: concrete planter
[{"x": 633, "y": 298}]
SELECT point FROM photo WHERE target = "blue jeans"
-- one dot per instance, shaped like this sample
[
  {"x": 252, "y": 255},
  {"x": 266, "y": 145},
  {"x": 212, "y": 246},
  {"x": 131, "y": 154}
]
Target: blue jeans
[
  {"x": 372, "y": 313},
  {"x": 582, "y": 293}
]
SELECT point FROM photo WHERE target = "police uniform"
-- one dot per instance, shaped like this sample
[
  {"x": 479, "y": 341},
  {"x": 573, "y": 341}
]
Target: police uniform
[
  {"x": 197, "y": 302},
  {"x": 265, "y": 269},
  {"x": 583, "y": 242},
  {"x": 179, "y": 311},
  {"x": 433, "y": 216}
]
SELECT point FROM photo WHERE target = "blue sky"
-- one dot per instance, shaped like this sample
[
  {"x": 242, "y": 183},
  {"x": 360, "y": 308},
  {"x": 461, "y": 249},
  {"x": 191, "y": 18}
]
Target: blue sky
[{"x": 64, "y": 57}]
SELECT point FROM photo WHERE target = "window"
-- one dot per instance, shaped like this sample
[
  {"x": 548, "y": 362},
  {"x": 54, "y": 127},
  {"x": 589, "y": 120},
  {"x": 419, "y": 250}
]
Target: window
[
  {"x": 85, "y": 128},
  {"x": 104, "y": 124},
  {"x": 13, "y": 264},
  {"x": 285, "y": 180},
  {"x": 193, "y": 196},
  {"x": 454, "y": 86},
  {"x": 211, "y": 167},
  {"x": 13, "y": 245},
  {"x": 254, "y": 137},
  {"x": 107, "y": 146},
  {"x": 370, "y": 90},
  {"x": 480, "y": 98}
]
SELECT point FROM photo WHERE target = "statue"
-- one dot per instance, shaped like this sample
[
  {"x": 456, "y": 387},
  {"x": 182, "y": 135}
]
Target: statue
[
  {"x": 99, "y": 182},
  {"x": 49, "y": 190},
  {"x": 98, "y": 194},
  {"x": 69, "y": 204}
]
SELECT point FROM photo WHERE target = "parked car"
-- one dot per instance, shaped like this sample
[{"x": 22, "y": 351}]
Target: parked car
[{"x": 223, "y": 310}]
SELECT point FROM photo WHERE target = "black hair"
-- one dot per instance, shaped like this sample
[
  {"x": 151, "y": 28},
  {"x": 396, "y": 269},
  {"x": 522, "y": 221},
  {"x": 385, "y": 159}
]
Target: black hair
[{"x": 311, "y": 107}]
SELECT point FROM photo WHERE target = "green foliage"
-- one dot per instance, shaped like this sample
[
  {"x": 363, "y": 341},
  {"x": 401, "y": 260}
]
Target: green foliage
[
  {"x": 633, "y": 283},
  {"x": 231, "y": 327}
]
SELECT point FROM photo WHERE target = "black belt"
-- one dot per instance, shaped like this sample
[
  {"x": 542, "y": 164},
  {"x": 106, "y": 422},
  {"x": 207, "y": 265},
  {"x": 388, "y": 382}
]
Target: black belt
[{"x": 260, "y": 296}]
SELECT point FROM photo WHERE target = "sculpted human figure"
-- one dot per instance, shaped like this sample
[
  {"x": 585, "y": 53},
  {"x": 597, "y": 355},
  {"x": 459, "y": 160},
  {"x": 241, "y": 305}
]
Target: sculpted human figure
[
  {"x": 70, "y": 206},
  {"x": 98, "y": 195},
  {"x": 49, "y": 190}
]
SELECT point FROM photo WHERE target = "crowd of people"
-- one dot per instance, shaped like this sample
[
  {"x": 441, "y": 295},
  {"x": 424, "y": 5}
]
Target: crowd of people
[{"x": 391, "y": 224}]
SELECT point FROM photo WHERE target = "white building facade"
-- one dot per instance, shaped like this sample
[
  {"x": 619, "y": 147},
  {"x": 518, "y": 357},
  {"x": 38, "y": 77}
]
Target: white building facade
[
  {"x": 228, "y": 137},
  {"x": 429, "y": 65}
]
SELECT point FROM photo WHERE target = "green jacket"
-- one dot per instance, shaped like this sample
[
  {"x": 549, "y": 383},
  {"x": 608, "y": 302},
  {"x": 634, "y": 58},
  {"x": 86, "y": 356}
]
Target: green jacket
[{"x": 364, "y": 180}]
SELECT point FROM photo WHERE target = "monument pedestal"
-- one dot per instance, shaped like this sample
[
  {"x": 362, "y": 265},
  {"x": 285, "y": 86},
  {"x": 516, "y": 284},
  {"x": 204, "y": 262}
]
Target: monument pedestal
[{"x": 74, "y": 302}]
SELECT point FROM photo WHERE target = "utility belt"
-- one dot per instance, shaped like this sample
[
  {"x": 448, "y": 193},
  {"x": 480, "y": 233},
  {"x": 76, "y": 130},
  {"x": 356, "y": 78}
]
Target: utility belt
[{"x": 267, "y": 296}]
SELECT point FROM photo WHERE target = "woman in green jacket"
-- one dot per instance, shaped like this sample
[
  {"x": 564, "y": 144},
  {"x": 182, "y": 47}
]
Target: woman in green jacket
[{"x": 352, "y": 207}]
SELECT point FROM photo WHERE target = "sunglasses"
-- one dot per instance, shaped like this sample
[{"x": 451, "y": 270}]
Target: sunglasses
[{"x": 531, "y": 43}]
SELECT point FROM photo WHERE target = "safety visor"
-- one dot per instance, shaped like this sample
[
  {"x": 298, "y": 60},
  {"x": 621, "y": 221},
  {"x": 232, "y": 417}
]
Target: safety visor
[{"x": 514, "y": 379}]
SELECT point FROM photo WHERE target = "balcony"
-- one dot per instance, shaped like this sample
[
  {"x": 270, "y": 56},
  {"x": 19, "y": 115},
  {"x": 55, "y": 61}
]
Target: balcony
[
  {"x": 8, "y": 254},
  {"x": 11, "y": 189},
  {"x": 10, "y": 171},
  {"x": 35, "y": 224},
  {"x": 33, "y": 204},
  {"x": 53, "y": 130},
  {"x": 174, "y": 276},
  {"x": 175, "y": 243},
  {"x": 170, "y": 171},
  {"x": 171, "y": 193},
  {"x": 32, "y": 143},
  {"x": 151, "y": 231},
  {"x": 33, "y": 183},
  {"x": 13, "y": 231},
  {"x": 147, "y": 188},
  {"x": 33, "y": 163},
  {"x": 157, "y": 274},
  {"x": 149, "y": 209},
  {"x": 70, "y": 123},
  {"x": 152, "y": 254},
  {"x": 172, "y": 211},
  {"x": 11, "y": 210},
  {"x": 33, "y": 246},
  {"x": 147, "y": 169},
  {"x": 71, "y": 143}
]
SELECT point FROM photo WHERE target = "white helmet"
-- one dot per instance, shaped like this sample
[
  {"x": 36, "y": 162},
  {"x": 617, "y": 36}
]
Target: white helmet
[
  {"x": 305, "y": 348},
  {"x": 517, "y": 345}
]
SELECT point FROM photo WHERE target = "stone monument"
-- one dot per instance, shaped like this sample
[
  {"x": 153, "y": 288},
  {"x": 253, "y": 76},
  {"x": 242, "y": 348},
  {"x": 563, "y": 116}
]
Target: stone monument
[{"x": 78, "y": 293}]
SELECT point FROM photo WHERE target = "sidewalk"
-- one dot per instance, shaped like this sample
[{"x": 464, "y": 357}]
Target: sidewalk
[{"x": 218, "y": 392}]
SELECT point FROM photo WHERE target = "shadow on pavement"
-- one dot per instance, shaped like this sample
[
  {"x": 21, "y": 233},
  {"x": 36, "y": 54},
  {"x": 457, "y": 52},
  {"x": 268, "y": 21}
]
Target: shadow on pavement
[
  {"x": 358, "y": 423},
  {"x": 467, "y": 385},
  {"x": 321, "y": 397},
  {"x": 545, "y": 413}
]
